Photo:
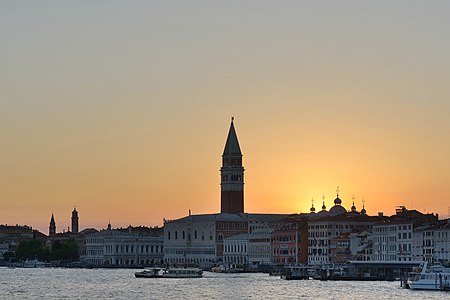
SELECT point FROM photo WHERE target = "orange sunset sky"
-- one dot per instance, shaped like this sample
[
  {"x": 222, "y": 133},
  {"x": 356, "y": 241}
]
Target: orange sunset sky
[{"x": 122, "y": 108}]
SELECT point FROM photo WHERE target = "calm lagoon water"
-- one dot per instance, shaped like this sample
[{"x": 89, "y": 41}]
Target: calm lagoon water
[{"x": 48, "y": 283}]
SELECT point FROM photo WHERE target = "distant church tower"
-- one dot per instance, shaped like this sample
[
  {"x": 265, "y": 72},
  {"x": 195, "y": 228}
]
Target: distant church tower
[
  {"x": 52, "y": 227},
  {"x": 232, "y": 175},
  {"x": 74, "y": 221}
]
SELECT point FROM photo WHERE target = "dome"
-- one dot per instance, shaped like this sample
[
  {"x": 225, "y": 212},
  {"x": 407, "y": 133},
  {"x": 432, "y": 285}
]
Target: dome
[
  {"x": 312, "y": 209},
  {"x": 337, "y": 201},
  {"x": 363, "y": 210},
  {"x": 323, "y": 213},
  {"x": 353, "y": 208},
  {"x": 337, "y": 210},
  {"x": 324, "y": 207}
]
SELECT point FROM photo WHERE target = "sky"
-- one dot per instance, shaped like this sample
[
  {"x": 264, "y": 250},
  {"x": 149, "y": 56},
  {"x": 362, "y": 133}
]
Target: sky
[{"x": 122, "y": 108}]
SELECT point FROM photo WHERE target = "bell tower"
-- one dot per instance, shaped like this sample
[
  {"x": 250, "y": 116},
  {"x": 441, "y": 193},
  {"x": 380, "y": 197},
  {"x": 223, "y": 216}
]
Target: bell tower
[
  {"x": 52, "y": 227},
  {"x": 232, "y": 175},
  {"x": 74, "y": 221}
]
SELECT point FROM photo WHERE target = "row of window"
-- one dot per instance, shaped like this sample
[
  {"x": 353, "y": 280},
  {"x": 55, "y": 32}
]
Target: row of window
[
  {"x": 188, "y": 235},
  {"x": 235, "y": 248},
  {"x": 134, "y": 249},
  {"x": 235, "y": 178},
  {"x": 231, "y": 226},
  {"x": 190, "y": 251},
  {"x": 183, "y": 260},
  {"x": 337, "y": 226},
  {"x": 391, "y": 228}
]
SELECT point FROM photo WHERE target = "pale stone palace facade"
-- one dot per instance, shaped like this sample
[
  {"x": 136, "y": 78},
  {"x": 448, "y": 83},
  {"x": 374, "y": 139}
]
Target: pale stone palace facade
[{"x": 116, "y": 248}]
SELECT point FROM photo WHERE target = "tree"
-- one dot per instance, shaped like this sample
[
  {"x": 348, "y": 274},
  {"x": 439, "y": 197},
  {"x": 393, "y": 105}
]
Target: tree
[
  {"x": 67, "y": 250},
  {"x": 31, "y": 249},
  {"x": 70, "y": 249},
  {"x": 8, "y": 255}
]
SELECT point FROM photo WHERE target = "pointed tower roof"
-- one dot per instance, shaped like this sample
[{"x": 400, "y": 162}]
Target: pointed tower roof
[
  {"x": 52, "y": 220},
  {"x": 232, "y": 144}
]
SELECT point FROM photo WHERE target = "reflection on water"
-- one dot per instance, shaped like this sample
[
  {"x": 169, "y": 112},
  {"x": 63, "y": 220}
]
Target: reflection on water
[{"x": 121, "y": 284}]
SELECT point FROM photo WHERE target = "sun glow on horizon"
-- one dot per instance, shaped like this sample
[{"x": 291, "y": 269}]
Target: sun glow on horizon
[{"x": 123, "y": 110}]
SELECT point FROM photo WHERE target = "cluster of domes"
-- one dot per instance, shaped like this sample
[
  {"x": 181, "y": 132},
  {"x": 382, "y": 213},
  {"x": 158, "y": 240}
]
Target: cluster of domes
[{"x": 337, "y": 209}]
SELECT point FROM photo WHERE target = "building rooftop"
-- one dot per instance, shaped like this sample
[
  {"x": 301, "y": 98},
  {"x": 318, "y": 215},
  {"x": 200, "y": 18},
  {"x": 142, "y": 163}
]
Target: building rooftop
[{"x": 226, "y": 217}]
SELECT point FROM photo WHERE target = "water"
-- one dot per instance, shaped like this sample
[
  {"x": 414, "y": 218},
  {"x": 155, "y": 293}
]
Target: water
[{"x": 121, "y": 284}]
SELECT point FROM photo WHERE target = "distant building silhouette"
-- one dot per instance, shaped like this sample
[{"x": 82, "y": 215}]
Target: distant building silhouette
[
  {"x": 52, "y": 227},
  {"x": 75, "y": 221},
  {"x": 232, "y": 175}
]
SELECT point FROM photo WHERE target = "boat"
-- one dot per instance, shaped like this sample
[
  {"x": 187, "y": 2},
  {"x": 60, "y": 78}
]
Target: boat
[
  {"x": 294, "y": 273},
  {"x": 33, "y": 263},
  {"x": 276, "y": 270},
  {"x": 148, "y": 273},
  {"x": 434, "y": 278},
  {"x": 170, "y": 273},
  {"x": 234, "y": 268}
]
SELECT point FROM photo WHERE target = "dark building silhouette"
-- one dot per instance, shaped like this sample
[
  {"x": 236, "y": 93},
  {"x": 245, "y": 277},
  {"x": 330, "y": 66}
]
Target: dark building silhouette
[
  {"x": 74, "y": 221},
  {"x": 232, "y": 175},
  {"x": 52, "y": 227}
]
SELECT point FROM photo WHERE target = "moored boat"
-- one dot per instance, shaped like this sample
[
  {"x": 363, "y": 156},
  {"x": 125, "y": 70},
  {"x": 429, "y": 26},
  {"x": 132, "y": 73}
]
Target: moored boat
[
  {"x": 233, "y": 268},
  {"x": 148, "y": 273},
  {"x": 294, "y": 273},
  {"x": 170, "y": 273},
  {"x": 436, "y": 279}
]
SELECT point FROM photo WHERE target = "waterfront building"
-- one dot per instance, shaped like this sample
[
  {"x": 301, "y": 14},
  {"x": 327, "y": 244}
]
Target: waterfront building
[
  {"x": 200, "y": 239},
  {"x": 235, "y": 250},
  {"x": 192, "y": 239},
  {"x": 349, "y": 246},
  {"x": 326, "y": 225},
  {"x": 290, "y": 241},
  {"x": 423, "y": 243},
  {"x": 16, "y": 233},
  {"x": 417, "y": 244},
  {"x": 389, "y": 270},
  {"x": 361, "y": 245},
  {"x": 123, "y": 248},
  {"x": 403, "y": 236},
  {"x": 392, "y": 241},
  {"x": 255, "y": 248},
  {"x": 260, "y": 229},
  {"x": 441, "y": 242},
  {"x": 340, "y": 248},
  {"x": 431, "y": 242}
]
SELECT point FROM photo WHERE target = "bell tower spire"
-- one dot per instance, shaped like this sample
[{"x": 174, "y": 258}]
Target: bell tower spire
[
  {"x": 52, "y": 227},
  {"x": 232, "y": 175},
  {"x": 74, "y": 220}
]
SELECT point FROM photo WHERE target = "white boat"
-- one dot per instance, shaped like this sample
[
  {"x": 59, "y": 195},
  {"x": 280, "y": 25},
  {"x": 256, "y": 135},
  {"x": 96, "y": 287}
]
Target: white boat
[
  {"x": 228, "y": 269},
  {"x": 170, "y": 273},
  {"x": 433, "y": 278},
  {"x": 33, "y": 263}
]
